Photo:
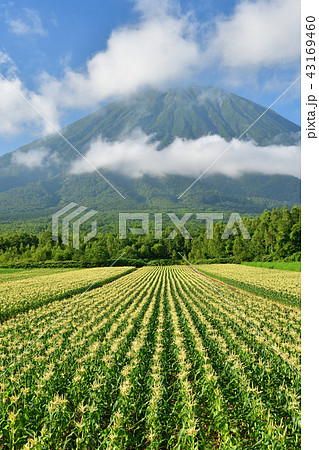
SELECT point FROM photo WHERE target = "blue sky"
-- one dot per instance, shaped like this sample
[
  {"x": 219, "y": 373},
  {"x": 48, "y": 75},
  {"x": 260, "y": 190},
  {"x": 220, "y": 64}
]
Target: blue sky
[{"x": 70, "y": 58}]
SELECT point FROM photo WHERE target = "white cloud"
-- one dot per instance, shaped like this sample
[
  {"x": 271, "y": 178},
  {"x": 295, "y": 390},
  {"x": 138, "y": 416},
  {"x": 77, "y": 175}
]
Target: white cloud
[
  {"x": 7, "y": 64},
  {"x": 32, "y": 158},
  {"x": 5, "y": 59},
  {"x": 157, "y": 51},
  {"x": 28, "y": 23},
  {"x": 155, "y": 9},
  {"x": 16, "y": 114},
  {"x": 153, "y": 53},
  {"x": 136, "y": 156},
  {"x": 259, "y": 33},
  {"x": 160, "y": 50}
]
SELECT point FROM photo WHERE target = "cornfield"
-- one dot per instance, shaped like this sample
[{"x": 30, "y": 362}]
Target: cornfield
[
  {"x": 155, "y": 359},
  {"x": 22, "y": 294},
  {"x": 279, "y": 285}
]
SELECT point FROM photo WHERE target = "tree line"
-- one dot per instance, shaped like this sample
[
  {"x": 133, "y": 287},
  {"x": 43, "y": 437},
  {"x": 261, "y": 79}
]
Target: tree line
[{"x": 275, "y": 235}]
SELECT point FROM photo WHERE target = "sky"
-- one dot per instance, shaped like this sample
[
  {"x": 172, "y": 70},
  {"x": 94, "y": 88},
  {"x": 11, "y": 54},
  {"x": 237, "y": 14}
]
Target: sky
[{"x": 70, "y": 58}]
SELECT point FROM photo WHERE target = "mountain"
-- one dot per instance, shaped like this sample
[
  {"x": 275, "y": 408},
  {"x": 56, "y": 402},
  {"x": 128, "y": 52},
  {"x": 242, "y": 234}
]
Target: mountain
[
  {"x": 184, "y": 112},
  {"x": 29, "y": 190}
]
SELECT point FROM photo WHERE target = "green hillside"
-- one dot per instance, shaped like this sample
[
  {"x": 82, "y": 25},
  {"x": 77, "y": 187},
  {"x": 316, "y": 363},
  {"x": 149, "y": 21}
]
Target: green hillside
[{"x": 29, "y": 194}]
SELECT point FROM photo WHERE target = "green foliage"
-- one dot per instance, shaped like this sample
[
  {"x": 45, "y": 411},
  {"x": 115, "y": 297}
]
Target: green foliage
[
  {"x": 155, "y": 360},
  {"x": 28, "y": 210},
  {"x": 294, "y": 266},
  {"x": 33, "y": 195},
  {"x": 275, "y": 236}
]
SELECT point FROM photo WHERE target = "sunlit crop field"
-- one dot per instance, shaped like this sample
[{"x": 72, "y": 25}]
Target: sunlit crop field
[
  {"x": 157, "y": 359},
  {"x": 20, "y": 292},
  {"x": 280, "y": 285}
]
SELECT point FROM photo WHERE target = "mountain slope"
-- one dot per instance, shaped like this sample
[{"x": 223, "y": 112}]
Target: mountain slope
[{"x": 189, "y": 113}]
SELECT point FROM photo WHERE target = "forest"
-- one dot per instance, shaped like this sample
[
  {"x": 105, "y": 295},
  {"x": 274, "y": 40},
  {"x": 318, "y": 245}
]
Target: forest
[{"x": 275, "y": 235}]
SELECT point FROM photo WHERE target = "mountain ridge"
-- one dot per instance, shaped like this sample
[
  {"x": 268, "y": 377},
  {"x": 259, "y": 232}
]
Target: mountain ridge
[{"x": 188, "y": 113}]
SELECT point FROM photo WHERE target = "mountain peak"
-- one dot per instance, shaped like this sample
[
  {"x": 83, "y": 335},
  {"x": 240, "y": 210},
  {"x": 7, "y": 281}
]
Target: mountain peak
[
  {"x": 187, "y": 113},
  {"x": 190, "y": 113}
]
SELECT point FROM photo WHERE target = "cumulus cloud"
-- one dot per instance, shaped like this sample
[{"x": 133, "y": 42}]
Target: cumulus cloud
[
  {"x": 136, "y": 156},
  {"x": 34, "y": 158},
  {"x": 163, "y": 48},
  {"x": 157, "y": 51},
  {"x": 16, "y": 114},
  {"x": 259, "y": 33},
  {"x": 28, "y": 23}
]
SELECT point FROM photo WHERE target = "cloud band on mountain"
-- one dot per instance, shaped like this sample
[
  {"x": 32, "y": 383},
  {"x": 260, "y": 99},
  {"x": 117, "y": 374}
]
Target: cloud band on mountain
[
  {"x": 136, "y": 156},
  {"x": 34, "y": 158}
]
